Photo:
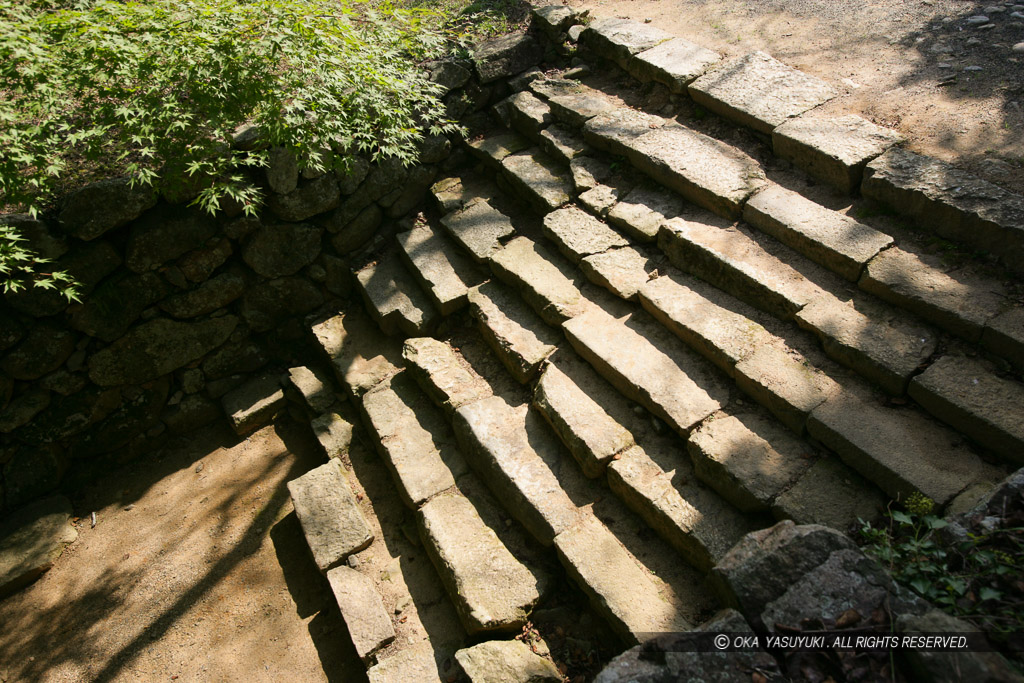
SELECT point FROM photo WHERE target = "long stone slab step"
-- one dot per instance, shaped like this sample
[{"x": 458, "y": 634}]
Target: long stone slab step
[
  {"x": 394, "y": 299},
  {"x": 444, "y": 272},
  {"x": 512, "y": 452},
  {"x": 518, "y": 336},
  {"x": 675, "y": 63},
  {"x": 369, "y": 625},
  {"x": 479, "y": 228},
  {"x": 616, "y": 131},
  {"x": 544, "y": 282},
  {"x": 899, "y": 449},
  {"x": 965, "y": 394},
  {"x": 620, "y": 39},
  {"x": 827, "y": 237},
  {"x": 831, "y": 493},
  {"x": 731, "y": 260},
  {"x": 759, "y": 91},
  {"x": 623, "y": 272},
  {"x": 619, "y": 589},
  {"x": 331, "y": 520},
  {"x": 579, "y": 234},
  {"x": 641, "y": 212},
  {"x": 491, "y": 589},
  {"x": 413, "y": 663},
  {"x": 413, "y": 438},
  {"x": 510, "y": 660},
  {"x": 493, "y": 148},
  {"x": 538, "y": 179},
  {"x": 643, "y": 362},
  {"x": 360, "y": 355},
  {"x": 954, "y": 204},
  {"x": 563, "y": 144},
  {"x": 448, "y": 381},
  {"x": 696, "y": 521},
  {"x": 576, "y": 108},
  {"x": 528, "y": 114}
]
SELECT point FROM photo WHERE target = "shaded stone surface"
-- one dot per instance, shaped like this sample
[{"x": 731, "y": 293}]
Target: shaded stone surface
[
  {"x": 31, "y": 539},
  {"x": 394, "y": 299},
  {"x": 215, "y": 293},
  {"x": 42, "y": 350},
  {"x": 831, "y": 494},
  {"x": 331, "y": 520},
  {"x": 616, "y": 131},
  {"x": 529, "y": 114},
  {"x": 785, "y": 383},
  {"x": 576, "y": 109},
  {"x": 506, "y": 56},
  {"x": 675, "y": 63},
  {"x": 562, "y": 144},
  {"x": 160, "y": 236},
  {"x": 333, "y": 433},
  {"x": 544, "y": 285},
  {"x": 623, "y": 272},
  {"x": 1004, "y": 335},
  {"x": 307, "y": 200},
  {"x": 494, "y": 147},
  {"x": 360, "y": 355},
  {"x": 253, "y": 404},
  {"x": 356, "y": 231},
  {"x": 442, "y": 270},
  {"x": 448, "y": 381},
  {"x": 579, "y": 234},
  {"x": 116, "y": 304},
  {"x": 22, "y": 409},
  {"x": 369, "y": 625},
  {"x": 509, "y": 661},
  {"x": 519, "y": 338},
  {"x": 282, "y": 249},
  {"x": 478, "y": 228},
  {"x": 88, "y": 265},
  {"x": 102, "y": 206},
  {"x": 317, "y": 393},
  {"x": 539, "y": 179},
  {"x": 759, "y": 91},
  {"x": 265, "y": 304},
  {"x": 641, "y": 212},
  {"x": 414, "y": 663}
]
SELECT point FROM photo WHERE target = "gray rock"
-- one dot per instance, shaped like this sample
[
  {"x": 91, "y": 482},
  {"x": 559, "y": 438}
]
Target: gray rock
[
  {"x": 620, "y": 39},
  {"x": 509, "y": 661},
  {"x": 435, "y": 149},
  {"x": 282, "y": 170},
  {"x": 977, "y": 19},
  {"x": 506, "y": 56},
  {"x": 578, "y": 234},
  {"x": 950, "y": 667},
  {"x": 643, "y": 210},
  {"x": 156, "y": 348},
  {"x": 493, "y": 148},
  {"x": 282, "y": 249},
  {"x": 447, "y": 380},
  {"x": 518, "y": 336},
  {"x": 31, "y": 540},
  {"x": 576, "y": 109},
  {"x": 478, "y": 228},
  {"x": 235, "y": 358},
  {"x": 333, "y": 433},
  {"x": 358, "y": 231},
  {"x": 22, "y": 409},
  {"x": 307, "y": 200},
  {"x": 412, "y": 192},
  {"x": 117, "y": 303},
  {"x": 413, "y": 663},
  {"x": 161, "y": 236},
  {"x": 623, "y": 272},
  {"x": 267, "y": 303},
  {"x": 317, "y": 392},
  {"x": 394, "y": 299},
  {"x": 100, "y": 207},
  {"x": 42, "y": 350},
  {"x": 553, "y": 19},
  {"x": 528, "y": 114},
  {"x": 254, "y": 404},
  {"x": 199, "y": 265},
  {"x": 449, "y": 74},
  {"x": 207, "y": 297},
  {"x": 562, "y": 144},
  {"x": 353, "y": 173},
  {"x": 832, "y": 494}
]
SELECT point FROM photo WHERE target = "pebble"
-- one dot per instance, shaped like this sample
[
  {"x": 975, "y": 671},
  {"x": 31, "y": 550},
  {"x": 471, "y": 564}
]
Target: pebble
[
  {"x": 992, "y": 9},
  {"x": 1019, "y": 47},
  {"x": 945, "y": 66},
  {"x": 973, "y": 68},
  {"x": 973, "y": 41},
  {"x": 977, "y": 19}
]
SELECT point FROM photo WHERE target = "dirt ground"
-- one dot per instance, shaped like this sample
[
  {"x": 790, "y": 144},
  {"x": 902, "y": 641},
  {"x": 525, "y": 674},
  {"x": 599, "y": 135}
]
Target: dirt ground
[
  {"x": 955, "y": 89},
  {"x": 196, "y": 570}
]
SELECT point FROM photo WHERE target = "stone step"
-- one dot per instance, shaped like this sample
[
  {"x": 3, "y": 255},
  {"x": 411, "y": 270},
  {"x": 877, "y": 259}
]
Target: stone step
[
  {"x": 759, "y": 91},
  {"x": 619, "y": 39},
  {"x": 616, "y": 131},
  {"x": 511, "y": 451},
  {"x": 413, "y": 663},
  {"x": 623, "y": 272},
  {"x": 675, "y": 63},
  {"x": 619, "y": 589},
  {"x": 331, "y": 519},
  {"x": 574, "y": 109},
  {"x": 444, "y": 272},
  {"x": 360, "y": 355},
  {"x": 507, "y": 660},
  {"x": 413, "y": 438},
  {"x": 493, "y": 148},
  {"x": 479, "y": 228},
  {"x": 899, "y": 449},
  {"x": 641, "y": 212},
  {"x": 696, "y": 521},
  {"x": 967, "y": 395},
  {"x": 884, "y": 346},
  {"x": 543, "y": 280},
  {"x": 729, "y": 259},
  {"x": 827, "y": 237},
  {"x": 446, "y": 379},
  {"x": 578, "y": 418},
  {"x": 562, "y": 144},
  {"x": 538, "y": 179},
  {"x": 952, "y": 203},
  {"x": 645, "y": 364},
  {"x": 1004, "y": 336},
  {"x": 958, "y": 302},
  {"x": 577, "y": 234},
  {"x": 518, "y": 336},
  {"x": 528, "y": 114},
  {"x": 832, "y": 494},
  {"x": 394, "y": 299},
  {"x": 491, "y": 589},
  {"x": 369, "y": 625}
]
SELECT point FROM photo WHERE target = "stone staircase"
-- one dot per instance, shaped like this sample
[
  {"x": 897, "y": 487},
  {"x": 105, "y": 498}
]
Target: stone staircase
[{"x": 620, "y": 341}]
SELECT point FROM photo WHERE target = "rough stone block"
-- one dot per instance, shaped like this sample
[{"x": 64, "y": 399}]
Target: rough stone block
[
  {"x": 317, "y": 392},
  {"x": 619, "y": 39},
  {"x": 448, "y": 380},
  {"x": 831, "y": 494},
  {"x": 615, "y": 131},
  {"x": 517, "y": 335},
  {"x": 507, "y": 660},
  {"x": 579, "y": 234},
  {"x": 254, "y": 403},
  {"x": 479, "y": 227},
  {"x": 676, "y": 63},
  {"x": 784, "y": 382},
  {"x": 413, "y": 663},
  {"x": 359, "y": 354},
  {"x": 394, "y": 299},
  {"x": 506, "y": 56},
  {"x": 623, "y": 272},
  {"x": 333, "y": 433},
  {"x": 528, "y": 114},
  {"x": 644, "y": 209},
  {"x": 1004, "y": 335},
  {"x": 444, "y": 273},
  {"x": 544, "y": 283},
  {"x": 577, "y": 108},
  {"x": 539, "y": 179},
  {"x": 493, "y": 148},
  {"x": 562, "y": 144},
  {"x": 369, "y": 625}
]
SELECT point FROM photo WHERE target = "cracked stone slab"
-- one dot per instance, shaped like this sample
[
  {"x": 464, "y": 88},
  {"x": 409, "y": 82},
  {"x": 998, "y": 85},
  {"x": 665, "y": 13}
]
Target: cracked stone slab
[
  {"x": 578, "y": 234},
  {"x": 394, "y": 299},
  {"x": 620, "y": 39},
  {"x": 833, "y": 150},
  {"x": 331, "y": 520},
  {"x": 623, "y": 272},
  {"x": 759, "y": 91},
  {"x": 369, "y": 625},
  {"x": 675, "y": 63},
  {"x": 449, "y": 382},
  {"x": 577, "y": 108},
  {"x": 965, "y": 394},
  {"x": 539, "y": 179},
  {"x": 544, "y": 283},
  {"x": 518, "y": 336},
  {"x": 443, "y": 271},
  {"x": 254, "y": 404},
  {"x": 785, "y": 383},
  {"x": 641, "y": 212},
  {"x": 827, "y": 237},
  {"x": 479, "y": 228},
  {"x": 832, "y": 494}
]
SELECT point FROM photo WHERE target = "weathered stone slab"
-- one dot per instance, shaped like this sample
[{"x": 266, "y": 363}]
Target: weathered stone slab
[
  {"x": 553, "y": 87},
  {"x": 369, "y": 625},
  {"x": 22, "y": 409},
  {"x": 619, "y": 588},
  {"x": 577, "y": 108},
  {"x": 562, "y": 144},
  {"x": 537, "y": 275},
  {"x": 450, "y": 194},
  {"x": 333, "y": 433},
  {"x": 518, "y": 336},
  {"x": 491, "y": 589},
  {"x": 443, "y": 272},
  {"x": 47, "y": 346},
  {"x": 317, "y": 392},
  {"x": 579, "y": 234},
  {"x": 478, "y": 228},
  {"x": 410, "y": 435},
  {"x": 588, "y": 172},
  {"x": 694, "y": 520},
  {"x": 308, "y": 199},
  {"x": 394, "y": 299},
  {"x": 554, "y": 19},
  {"x": 623, "y": 272},
  {"x": 538, "y": 179},
  {"x": 510, "y": 661},
  {"x": 732, "y": 261},
  {"x": 619, "y": 39},
  {"x": 217, "y": 292},
  {"x": 833, "y": 150},
  {"x": 331, "y": 520},
  {"x": 506, "y": 56},
  {"x": 719, "y": 334},
  {"x": 954, "y": 204},
  {"x": 160, "y": 236},
  {"x": 644, "y": 209},
  {"x": 600, "y": 199},
  {"x": 785, "y": 383},
  {"x": 591, "y": 434},
  {"x": 901, "y": 451},
  {"x": 413, "y": 663},
  {"x": 1004, "y": 335},
  {"x": 528, "y": 113},
  {"x": 616, "y": 130},
  {"x": 359, "y": 354},
  {"x": 759, "y": 91},
  {"x": 832, "y": 239},
  {"x": 957, "y": 302},
  {"x": 449, "y": 381},
  {"x": 965, "y": 394},
  {"x": 748, "y": 459},
  {"x": 253, "y": 404},
  {"x": 831, "y": 494},
  {"x": 157, "y": 347},
  {"x": 31, "y": 540},
  {"x": 886, "y": 350},
  {"x": 494, "y": 147},
  {"x": 511, "y": 450},
  {"x": 679, "y": 388},
  {"x": 704, "y": 170},
  {"x": 676, "y": 63}
]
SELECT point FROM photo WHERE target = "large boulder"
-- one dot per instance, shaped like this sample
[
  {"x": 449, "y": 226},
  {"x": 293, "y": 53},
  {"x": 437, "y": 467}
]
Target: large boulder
[
  {"x": 116, "y": 304},
  {"x": 506, "y": 56},
  {"x": 282, "y": 249},
  {"x": 307, "y": 200},
  {"x": 99, "y": 207}
]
